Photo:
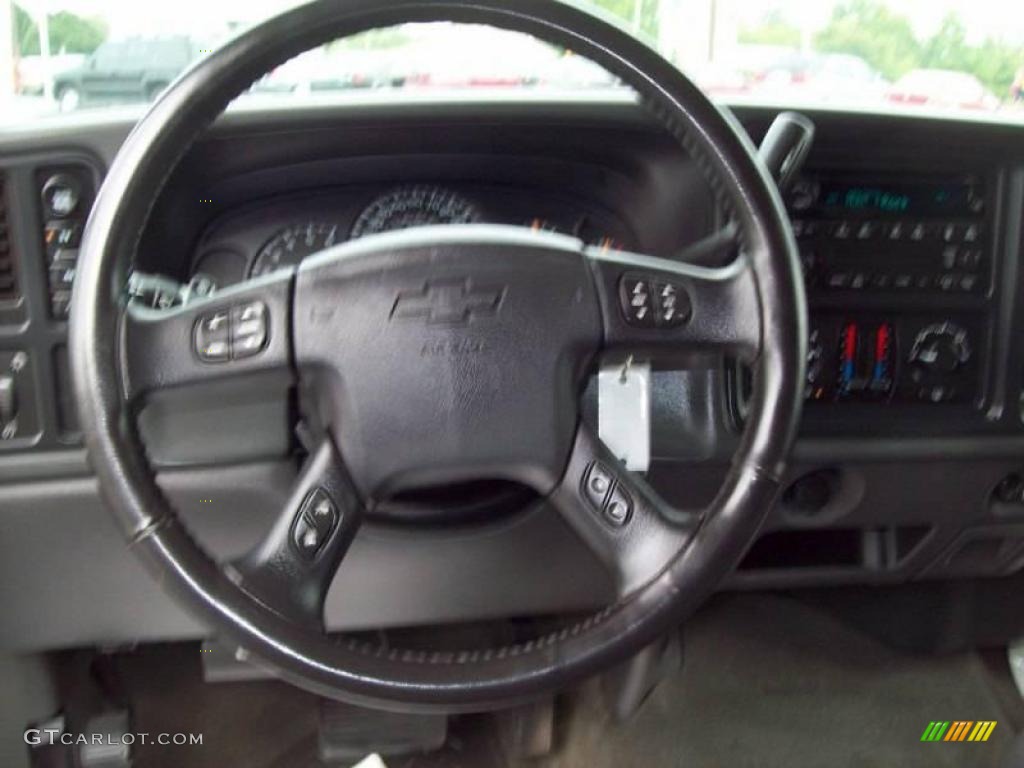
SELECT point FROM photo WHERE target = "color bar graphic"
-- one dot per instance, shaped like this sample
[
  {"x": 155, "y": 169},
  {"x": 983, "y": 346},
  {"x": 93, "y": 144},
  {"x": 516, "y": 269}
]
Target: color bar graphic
[{"x": 958, "y": 730}]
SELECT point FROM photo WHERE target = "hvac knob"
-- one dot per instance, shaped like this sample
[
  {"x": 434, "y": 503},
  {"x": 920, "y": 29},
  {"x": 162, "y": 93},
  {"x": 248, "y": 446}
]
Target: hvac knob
[{"x": 940, "y": 349}]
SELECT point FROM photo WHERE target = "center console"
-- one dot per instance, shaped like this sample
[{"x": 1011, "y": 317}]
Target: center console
[{"x": 899, "y": 271}]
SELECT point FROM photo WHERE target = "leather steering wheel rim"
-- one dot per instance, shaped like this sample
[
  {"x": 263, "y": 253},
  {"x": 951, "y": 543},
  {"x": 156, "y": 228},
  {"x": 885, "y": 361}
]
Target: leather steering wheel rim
[{"x": 478, "y": 679}]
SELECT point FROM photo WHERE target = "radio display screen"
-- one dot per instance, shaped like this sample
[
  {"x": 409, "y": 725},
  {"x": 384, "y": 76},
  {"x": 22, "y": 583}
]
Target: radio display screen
[{"x": 836, "y": 197}]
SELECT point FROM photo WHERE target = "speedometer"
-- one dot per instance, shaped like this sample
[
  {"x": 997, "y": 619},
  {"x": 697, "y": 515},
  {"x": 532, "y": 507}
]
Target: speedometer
[
  {"x": 414, "y": 207},
  {"x": 292, "y": 244}
]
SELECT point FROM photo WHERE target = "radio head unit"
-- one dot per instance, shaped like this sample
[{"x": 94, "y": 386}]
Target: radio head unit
[{"x": 884, "y": 234}]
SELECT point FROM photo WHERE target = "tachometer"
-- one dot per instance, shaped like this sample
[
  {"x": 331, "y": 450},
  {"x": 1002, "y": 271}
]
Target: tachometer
[
  {"x": 414, "y": 207},
  {"x": 291, "y": 245}
]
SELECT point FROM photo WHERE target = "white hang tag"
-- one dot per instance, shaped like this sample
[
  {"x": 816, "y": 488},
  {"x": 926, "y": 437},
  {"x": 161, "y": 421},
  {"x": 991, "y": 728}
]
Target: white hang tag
[{"x": 624, "y": 413}]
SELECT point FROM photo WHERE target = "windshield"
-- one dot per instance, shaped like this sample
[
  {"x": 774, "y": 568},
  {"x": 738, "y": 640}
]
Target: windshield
[{"x": 953, "y": 57}]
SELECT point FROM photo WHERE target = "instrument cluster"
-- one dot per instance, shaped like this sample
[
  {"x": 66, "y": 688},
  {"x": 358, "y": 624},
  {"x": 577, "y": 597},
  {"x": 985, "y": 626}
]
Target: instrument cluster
[{"x": 281, "y": 233}]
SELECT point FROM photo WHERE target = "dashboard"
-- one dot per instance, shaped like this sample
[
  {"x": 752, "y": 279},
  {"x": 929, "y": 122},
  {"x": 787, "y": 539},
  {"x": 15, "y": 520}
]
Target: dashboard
[{"x": 908, "y": 465}]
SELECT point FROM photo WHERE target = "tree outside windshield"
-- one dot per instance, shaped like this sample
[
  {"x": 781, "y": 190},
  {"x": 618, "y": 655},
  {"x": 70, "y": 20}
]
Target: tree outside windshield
[{"x": 65, "y": 56}]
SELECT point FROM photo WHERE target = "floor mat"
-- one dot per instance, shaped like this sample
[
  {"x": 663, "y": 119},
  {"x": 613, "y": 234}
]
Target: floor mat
[
  {"x": 768, "y": 681},
  {"x": 771, "y": 682}
]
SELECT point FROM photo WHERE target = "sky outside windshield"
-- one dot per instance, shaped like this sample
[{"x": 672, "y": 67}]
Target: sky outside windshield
[{"x": 957, "y": 56}]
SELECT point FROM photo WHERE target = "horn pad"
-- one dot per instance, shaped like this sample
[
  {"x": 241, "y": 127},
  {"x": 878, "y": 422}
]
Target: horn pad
[{"x": 449, "y": 354}]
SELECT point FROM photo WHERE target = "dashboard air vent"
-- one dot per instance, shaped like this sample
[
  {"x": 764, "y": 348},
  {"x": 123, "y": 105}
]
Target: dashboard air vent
[{"x": 8, "y": 277}]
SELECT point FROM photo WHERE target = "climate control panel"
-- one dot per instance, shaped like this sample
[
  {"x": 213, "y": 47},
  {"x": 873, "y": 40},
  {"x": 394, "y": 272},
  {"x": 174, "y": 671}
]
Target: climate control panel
[{"x": 871, "y": 358}]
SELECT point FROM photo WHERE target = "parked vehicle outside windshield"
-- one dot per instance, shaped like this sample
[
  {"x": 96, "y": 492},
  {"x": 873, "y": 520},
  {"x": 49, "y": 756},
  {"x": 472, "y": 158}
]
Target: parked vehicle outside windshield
[{"x": 948, "y": 57}]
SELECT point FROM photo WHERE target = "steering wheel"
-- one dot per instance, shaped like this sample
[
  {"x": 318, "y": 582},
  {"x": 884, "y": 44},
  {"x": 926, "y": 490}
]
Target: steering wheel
[{"x": 442, "y": 355}]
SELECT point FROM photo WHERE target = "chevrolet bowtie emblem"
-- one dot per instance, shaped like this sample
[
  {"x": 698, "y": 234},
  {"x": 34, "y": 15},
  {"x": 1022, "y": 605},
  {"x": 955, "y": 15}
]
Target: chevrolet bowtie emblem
[{"x": 450, "y": 302}]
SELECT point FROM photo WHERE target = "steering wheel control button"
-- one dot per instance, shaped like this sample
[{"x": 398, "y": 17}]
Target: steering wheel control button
[
  {"x": 597, "y": 485},
  {"x": 606, "y": 496},
  {"x": 649, "y": 303},
  {"x": 637, "y": 301},
  {"x": 619, "y": 508},
  {"x": 308, "y": 539},
  {"x": 321, "y": 512},
  {"x": 212, "y": 337},
  {"x": 672, "y": 305},
  {"x": 232, "y": 334},
  {"x": 318, "y": 519},
  {"x": 248, "y": 330}
]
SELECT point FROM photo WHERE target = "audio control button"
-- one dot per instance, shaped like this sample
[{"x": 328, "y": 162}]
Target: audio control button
[
  {"x": 212, "y": 337},
  {"x": 248, "y": 329},
  {"x": 637, "y": 301}
]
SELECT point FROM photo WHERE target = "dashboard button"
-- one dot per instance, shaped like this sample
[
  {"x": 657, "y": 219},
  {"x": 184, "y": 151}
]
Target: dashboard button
[
  {"x": 60, "y": 305},
  {"x": 970, "y": 258},
  {"x": 61, "y": 195},
  {"x": 867, "y": 230},
  {"x": 949, "y": 257},
  {"x": 896, "y": 230},
  {"x": 62, "y": 234},
  {"x": 62, "y": 274},
  {"x": 839, "y": 280}
]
